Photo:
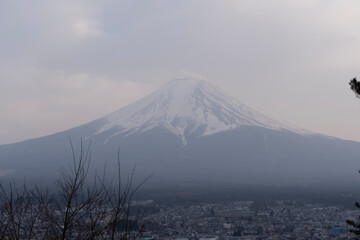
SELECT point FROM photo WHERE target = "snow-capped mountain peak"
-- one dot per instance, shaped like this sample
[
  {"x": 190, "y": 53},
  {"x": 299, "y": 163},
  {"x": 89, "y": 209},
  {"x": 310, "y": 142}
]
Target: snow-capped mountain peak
[{"x": 184, "y": 106}]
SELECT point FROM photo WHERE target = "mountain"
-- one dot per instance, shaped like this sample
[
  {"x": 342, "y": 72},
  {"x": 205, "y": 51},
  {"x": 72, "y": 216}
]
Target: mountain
[
  {"x": 185, "y": 106},
  {"x": 191, "y": 131}
]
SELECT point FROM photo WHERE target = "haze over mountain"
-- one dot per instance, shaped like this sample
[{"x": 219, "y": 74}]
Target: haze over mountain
[{"x": 191, "y": 131}]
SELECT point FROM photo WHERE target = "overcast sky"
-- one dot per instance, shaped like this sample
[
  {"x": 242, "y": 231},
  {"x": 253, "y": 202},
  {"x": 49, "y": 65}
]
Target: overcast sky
[{"x": 65, "y": 63}]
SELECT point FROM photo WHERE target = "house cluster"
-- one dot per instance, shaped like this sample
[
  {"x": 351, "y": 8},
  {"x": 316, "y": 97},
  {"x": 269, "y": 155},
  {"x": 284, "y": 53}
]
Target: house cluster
[{"x": 247, "y": 220}]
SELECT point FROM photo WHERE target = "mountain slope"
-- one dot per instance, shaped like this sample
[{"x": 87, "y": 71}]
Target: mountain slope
[{"x": 190, "y": 131}]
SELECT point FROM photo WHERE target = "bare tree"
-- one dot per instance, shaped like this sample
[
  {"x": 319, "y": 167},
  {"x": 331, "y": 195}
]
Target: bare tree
[
  {"x": 79, "y": 208},
  {"x": 75, "y": 199},
  {"x": 21, "y": 210},
  {"x": 120, "y": 198}
]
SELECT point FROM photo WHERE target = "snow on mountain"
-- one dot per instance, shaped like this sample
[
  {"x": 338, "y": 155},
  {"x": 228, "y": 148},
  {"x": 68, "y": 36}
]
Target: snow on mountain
[{"x": 184, "y": 106}]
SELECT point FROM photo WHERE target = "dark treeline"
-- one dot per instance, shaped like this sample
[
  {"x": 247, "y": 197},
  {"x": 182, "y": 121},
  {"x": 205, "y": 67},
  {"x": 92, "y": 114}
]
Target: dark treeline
[{"x": 191, "y": 195}]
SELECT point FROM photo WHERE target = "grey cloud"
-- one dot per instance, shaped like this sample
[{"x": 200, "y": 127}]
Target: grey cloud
[{"x": 273, "y": 54}]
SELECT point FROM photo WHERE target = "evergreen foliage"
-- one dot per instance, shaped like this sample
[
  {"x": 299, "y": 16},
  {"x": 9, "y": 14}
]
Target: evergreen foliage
[
  {"x": 355, "y": 86},
  {"x": 355, "y": 225}
]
